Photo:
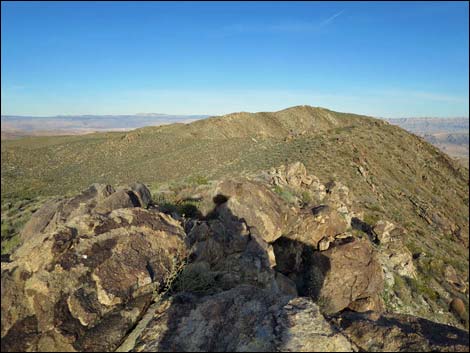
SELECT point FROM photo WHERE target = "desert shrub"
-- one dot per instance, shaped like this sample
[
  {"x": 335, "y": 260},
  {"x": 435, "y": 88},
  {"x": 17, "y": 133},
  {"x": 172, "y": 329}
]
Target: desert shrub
[
  {"x": 10, "y": 244},
  {"x": 285, "y": 194},
  {"x": 401, "y": 289},
  {"x": 371, "y": 218},
  {"x": 7, "y": 230},
  {"x": 306, "y": 197},
  {"x": 373, "y": 207},
  {"x": 418, "y": 287},
  {"x": 195, "y": 277},
  {"x": 188, "y": 209},
  {"x": 414, "y": 247}
]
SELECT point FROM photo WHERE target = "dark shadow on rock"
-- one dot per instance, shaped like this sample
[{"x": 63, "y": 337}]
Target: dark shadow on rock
[
  {"x": 409, "y": 332},
  {"x": 303, "y": 264},
  {"x": 134, "y": 199},
  {"x": 320, "y": 209},
  {"x": 362, "y": 226},
  {"x": 238, "y": 259},
  {"x": 5, "y": 258}
]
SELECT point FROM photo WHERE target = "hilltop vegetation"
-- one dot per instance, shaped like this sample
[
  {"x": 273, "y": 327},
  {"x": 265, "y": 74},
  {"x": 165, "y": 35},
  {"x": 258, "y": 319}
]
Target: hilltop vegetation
[
  {"x": 393, "y": 175},
  {"x": 384, "y": 165}
]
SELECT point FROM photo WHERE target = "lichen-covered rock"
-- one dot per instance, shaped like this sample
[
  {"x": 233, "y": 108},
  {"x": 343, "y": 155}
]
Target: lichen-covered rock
[
  {"x": 372, "y": 332},
  {"x": 314, "y": 225},
  {"x": 118, "y": 199},
  {"x": 240, "y": 319},
  {"x": 295, "y": 176},
  {"x": 302, "y": 328},
  {"x": 454, "y": 279},
  {"x": 98, "y": 198},
  {"x": 85, "y": 282},
  {"x": 393, "y": 254},
  {"x": 339, "y": 198},
  {"x": 245, "y": 319}
]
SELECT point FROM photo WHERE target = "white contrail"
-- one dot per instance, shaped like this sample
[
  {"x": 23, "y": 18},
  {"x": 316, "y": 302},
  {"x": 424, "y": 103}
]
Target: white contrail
[{"x": 328, "y": 20}]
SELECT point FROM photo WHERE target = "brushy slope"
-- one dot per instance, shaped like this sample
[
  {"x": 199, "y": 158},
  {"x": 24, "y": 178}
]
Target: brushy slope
[{"x": 393, "y": 174}]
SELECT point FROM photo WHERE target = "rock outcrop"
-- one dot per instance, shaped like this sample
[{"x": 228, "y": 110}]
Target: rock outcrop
[
  {"x": 393, "y": 254},
  {"x": 254, "y": 273},
  {"x": 264, "y": 211},
  {"x": 82, "y": 281},
  {"x": 350, "y": 276},
  {"x": 246, "y": 319},
  {"x": 372, "y": 332}
]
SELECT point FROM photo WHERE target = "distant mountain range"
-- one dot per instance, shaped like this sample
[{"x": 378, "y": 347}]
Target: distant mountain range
[
  {"x": 19, "y": 126},
  {"x": 449, "y": 134},
  {"x": 432, "y": 125}
]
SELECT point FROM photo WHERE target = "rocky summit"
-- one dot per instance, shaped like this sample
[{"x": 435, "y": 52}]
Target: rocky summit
[{"x": 275, "y": 260}]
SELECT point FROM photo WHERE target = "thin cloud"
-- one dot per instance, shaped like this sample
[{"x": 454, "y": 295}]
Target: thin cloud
[{"x": 330, "y": 19}]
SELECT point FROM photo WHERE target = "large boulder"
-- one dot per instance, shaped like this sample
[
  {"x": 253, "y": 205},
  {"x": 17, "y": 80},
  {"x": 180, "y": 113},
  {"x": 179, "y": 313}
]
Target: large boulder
[
  {"x": 321, "y": 222},
  {"x": 348, "y": 275},
  {"x": 372, "y": 332},
  {"x": 98, "y": 198},
  {"x": 245, "y": 319},
  {"x": 240, "y": 319},
  {"x": 143, "y": 194},
  {"x": 263, "y": 211},
  {"x": 82, "y": 284},
  {"x": 118, "y": 199},
  {"x": 339, "y": 198}
]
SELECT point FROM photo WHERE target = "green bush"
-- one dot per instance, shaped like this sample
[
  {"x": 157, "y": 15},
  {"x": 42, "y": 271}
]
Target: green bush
[
  {"x": 286, "y": 195},
  {"x": 195, "y": 277},
  {"x": 306, "y": 197},
  {"x": 418, "y": 287},
  {"x": 371, "y": 218}
]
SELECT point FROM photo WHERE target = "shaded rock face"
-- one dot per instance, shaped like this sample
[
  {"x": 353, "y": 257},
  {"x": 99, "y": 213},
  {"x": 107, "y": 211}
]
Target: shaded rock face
[
  {"x": 351, "y": 276},
  {"x": 246, "y": 319},
  {"x": 348, "y": 275},
  {"x": 84, "y": 280},
  {"x": 226, "y": 251},
  {"x": 400, "y": 333},
  {"x": 302, "y": 328}
]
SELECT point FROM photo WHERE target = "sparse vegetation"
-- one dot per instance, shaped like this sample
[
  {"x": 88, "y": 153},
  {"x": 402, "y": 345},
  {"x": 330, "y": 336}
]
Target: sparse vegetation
[
  {"x": 195, "y": 278},
  {"x": 408, "y": 181}
]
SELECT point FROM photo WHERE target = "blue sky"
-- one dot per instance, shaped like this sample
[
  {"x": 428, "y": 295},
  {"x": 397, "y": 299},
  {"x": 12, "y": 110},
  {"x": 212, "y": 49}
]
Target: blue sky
[{"x": 381, "y": 59}]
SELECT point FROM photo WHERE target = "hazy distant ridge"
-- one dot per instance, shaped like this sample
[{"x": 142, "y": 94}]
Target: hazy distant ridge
[
  {"x": 15, "y": 126},
  {"x": 432, "y": 125}
]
